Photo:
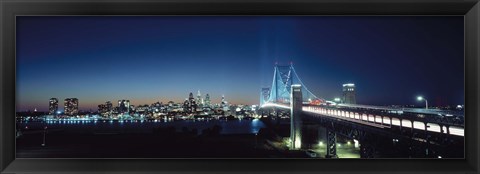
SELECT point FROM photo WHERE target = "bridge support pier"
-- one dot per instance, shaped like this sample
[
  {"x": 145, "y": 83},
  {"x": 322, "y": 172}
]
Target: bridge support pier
[
  {"x": 427, "y": 140},
  {"x": 331, "y": 144},
  {"x": 295, "y": 117}
]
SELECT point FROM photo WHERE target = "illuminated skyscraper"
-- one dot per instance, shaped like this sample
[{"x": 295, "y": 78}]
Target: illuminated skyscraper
[
  {"x": 199, "y": 100},
  {"x": 223, "y": 101},
  {"x": 102, "y": 108},
  {"x": 186, "y": 106},
  {"x": 207, "y": 101},
  {"x": 53, "y": 106},
  {"x": 349, "y": 93},
  {"x": 105, "y": 109},
  {"x": 190, "y": 98},
  {"x": 109, "y": 106},
  {"x": 224, "y": 104},
  {"x": 123, "y": 106},
  {"x": 71, "y": 106},
  {"x": 192, "y": 105}
]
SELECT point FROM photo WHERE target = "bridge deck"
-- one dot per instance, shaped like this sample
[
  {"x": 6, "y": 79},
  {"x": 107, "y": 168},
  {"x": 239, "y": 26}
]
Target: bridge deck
[{"x": 380, "y": 117}]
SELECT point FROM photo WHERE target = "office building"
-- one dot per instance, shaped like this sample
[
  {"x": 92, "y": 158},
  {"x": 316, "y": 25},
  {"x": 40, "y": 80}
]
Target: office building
[
  {"x": 123, "y": 106},
  {"x": 349, "y": 94},
  {"x": 71, "y": 106},
  {"x": 53, "y": 106}
]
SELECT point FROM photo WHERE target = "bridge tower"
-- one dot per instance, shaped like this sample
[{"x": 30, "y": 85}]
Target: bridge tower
[
  {"x": 264, "y": 95},
  {"x": 284, "y": 76},
  {"x": 295, "y": 114}
]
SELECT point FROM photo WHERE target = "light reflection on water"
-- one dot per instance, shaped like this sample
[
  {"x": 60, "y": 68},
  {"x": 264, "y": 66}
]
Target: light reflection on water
[{"x": 77, "y": 126}]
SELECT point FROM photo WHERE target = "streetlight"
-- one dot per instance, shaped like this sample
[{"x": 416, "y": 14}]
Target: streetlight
[
  {"x": 256, "y": 141},
  {"x": 44, "y": 136},
  {"x": 337, "y": 99},
  {"x": 420, "y": 98}
]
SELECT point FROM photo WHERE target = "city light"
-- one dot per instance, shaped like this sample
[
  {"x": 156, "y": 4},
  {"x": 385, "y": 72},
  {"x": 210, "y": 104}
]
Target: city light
[
  {"x": 356, "y": 143},
  {"x": 420, "y": 98},
  {"x": 69, "y": 88},
  {"x": 298, "y": 143}
]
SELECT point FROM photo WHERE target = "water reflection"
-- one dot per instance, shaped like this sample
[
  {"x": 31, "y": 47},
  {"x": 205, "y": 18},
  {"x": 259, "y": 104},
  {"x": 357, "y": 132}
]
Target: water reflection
[{"x": 228, "y": 126}]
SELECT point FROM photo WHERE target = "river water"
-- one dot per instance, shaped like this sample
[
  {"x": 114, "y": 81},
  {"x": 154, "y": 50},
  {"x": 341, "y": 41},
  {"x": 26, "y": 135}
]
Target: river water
[{"x": 228, "y": 127}]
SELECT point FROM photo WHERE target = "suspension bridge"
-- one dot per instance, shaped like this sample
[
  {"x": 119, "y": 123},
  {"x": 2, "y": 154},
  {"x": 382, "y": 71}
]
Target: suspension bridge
[{"x": 288, "y": 92}]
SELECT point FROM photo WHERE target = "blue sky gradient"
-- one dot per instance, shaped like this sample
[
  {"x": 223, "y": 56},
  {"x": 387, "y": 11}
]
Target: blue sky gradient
[{"x": 391, "y": 59}]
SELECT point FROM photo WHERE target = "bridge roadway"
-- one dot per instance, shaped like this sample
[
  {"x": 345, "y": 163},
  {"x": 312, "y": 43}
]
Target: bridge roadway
[{"x": 445, "y": 122}]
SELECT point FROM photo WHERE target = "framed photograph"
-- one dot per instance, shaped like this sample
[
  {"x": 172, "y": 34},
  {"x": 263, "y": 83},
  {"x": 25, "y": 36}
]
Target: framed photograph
[{"x": 311, "y": 86}]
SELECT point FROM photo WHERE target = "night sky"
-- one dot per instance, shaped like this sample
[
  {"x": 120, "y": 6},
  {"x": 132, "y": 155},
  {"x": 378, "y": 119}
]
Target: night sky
[{"x": 391, "y": 59}]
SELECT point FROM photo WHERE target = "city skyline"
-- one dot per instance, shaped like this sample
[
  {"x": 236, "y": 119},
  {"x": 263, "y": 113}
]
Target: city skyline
[
  {"x": 149, "y": 59},
  {"x": 61, "y": 107}
]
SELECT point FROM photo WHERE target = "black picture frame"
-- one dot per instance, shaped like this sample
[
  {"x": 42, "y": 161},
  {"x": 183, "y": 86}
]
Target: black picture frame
[{"x": 11, "y": 8}]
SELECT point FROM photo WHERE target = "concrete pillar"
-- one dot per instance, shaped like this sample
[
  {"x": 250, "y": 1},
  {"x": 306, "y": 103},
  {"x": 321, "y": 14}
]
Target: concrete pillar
[{"x": 295, "y": 113}]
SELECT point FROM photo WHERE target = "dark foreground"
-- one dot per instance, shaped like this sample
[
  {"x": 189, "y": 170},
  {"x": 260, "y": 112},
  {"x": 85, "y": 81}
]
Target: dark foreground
[
  {"x": 162, "y": 143},
  {"x": 60, "y": 145}
]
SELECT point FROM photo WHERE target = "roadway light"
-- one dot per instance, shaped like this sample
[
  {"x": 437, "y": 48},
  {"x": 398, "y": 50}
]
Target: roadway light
[{"x": 420, "y": 98}]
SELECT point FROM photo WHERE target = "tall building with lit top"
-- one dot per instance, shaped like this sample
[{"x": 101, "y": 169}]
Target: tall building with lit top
[
  {"x": 207, "y": 101},
  {"x": 71, "y": 106},
  {"x": 349, "y": 96},
  {"x": 53, "y": 106},
  {"x": 199, "y": 100},
  {"x": 224, "y": 104},
  {"x": 190, "y": 103}
]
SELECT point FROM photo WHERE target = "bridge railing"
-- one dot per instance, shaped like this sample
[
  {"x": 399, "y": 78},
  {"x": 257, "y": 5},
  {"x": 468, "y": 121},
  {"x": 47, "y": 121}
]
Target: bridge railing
[
  {"x": 411, "y": 114},
  {"x": 386, "y": 119}
]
